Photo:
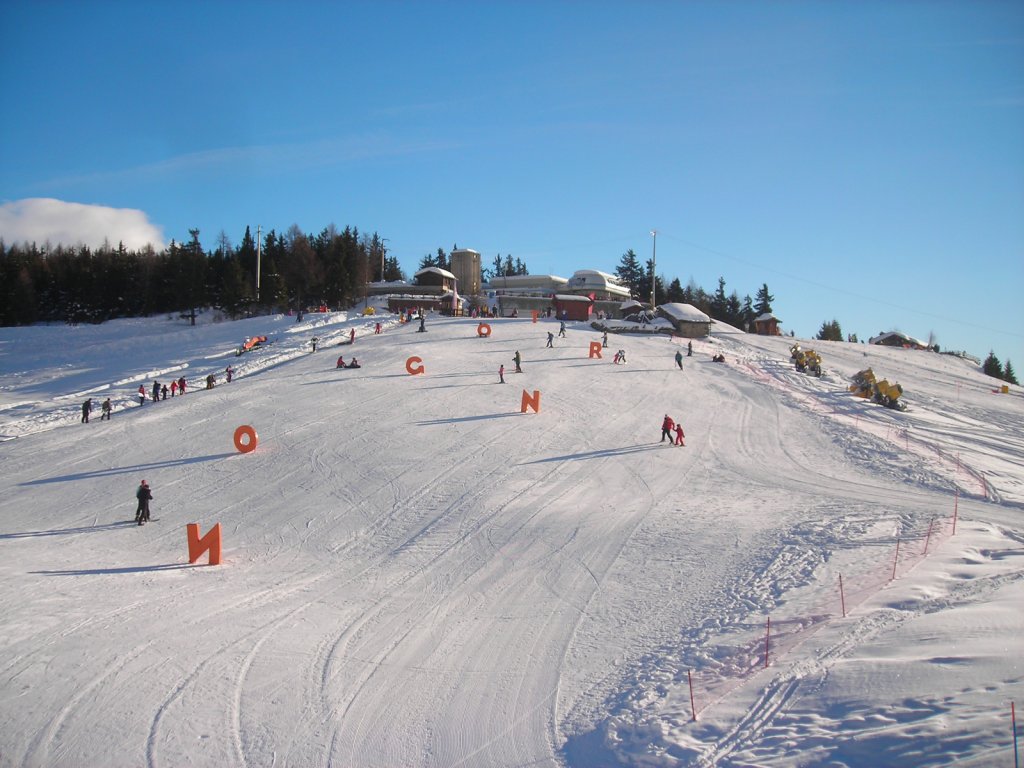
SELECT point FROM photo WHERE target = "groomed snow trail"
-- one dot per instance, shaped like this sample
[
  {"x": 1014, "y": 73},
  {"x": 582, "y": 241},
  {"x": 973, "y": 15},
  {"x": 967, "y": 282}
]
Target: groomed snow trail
[{"x": 415, "y": 572}]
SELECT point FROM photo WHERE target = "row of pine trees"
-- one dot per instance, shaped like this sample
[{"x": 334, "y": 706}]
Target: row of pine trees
[{"x": 78, "y": 284}]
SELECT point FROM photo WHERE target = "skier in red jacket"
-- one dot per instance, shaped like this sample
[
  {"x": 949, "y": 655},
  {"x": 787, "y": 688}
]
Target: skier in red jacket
[
  {"x": 680, "y": 435},
  {"x": 666, "y": 429}
]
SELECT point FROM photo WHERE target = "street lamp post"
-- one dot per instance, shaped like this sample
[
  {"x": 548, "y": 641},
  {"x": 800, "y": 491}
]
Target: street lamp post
[{"x": 654, "y": 266}]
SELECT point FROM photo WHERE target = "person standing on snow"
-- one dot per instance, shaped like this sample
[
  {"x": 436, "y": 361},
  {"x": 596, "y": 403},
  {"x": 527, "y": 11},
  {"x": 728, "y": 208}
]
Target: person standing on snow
[
  {"x": 518, "y": 360},
  {"x": 142, "y": 395},
  {"x": 156, "y": 391},
  {"x": 229, "y": 372},
  {"x": 679, "y": 359},
  {"x": 105, "y": 410},
  {"x": 561, "y": 330},
  {"x": 174, "y": 387},
  {"x": 604, "y": 340},
  {"x": 501, "y": 373},
  {"x": 144, "y": 495},
  {"x": 181, "y": 386},
  {"x": 680, "y": 435},
  {"x": 313, "y": 341},
  {"x": 666, "y": 429},
  {"x": 163, "y": 392},
  {"x": 551, "y": 339},
  {"x": 689, "y": 349},
  {"x": 86, "y": 410}
]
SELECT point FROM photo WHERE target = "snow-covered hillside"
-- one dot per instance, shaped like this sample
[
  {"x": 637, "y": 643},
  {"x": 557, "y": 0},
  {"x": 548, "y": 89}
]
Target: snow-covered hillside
[{"x": 418, "y": 573}]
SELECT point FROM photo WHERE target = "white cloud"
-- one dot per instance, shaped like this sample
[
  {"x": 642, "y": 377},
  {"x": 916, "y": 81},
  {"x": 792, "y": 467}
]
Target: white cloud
[{"x": 46, "y": 220}]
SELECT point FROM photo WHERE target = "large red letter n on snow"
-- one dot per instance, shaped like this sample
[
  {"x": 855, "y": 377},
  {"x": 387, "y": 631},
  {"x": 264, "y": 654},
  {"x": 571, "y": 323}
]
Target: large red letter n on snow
[
  {"x": 209, "y": 543},
  {"x": 532, "y": 402}
]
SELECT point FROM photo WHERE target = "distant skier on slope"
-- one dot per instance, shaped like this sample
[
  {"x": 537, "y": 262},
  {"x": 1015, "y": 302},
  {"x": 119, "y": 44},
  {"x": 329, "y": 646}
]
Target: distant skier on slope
[
  {"x": 679, "y": 359},
  {"x": 679, "y": 434},
  {"x": 144, "y": 495},
  {"x": 518, "y": 360},
  {"x": 86, "y": 410}
]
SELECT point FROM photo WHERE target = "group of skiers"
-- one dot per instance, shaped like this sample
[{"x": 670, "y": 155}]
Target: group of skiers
[
  {"x": 87, "y": 409},
  {"x": 343, "y": 364},
  {"x": 668, "y": 427}
]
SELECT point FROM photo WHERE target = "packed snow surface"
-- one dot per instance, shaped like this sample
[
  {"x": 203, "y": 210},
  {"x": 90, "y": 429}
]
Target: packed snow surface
[{"x": 419, "y": 572}]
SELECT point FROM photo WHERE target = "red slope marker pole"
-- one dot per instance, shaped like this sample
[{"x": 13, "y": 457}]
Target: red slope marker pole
[
  {"x": 693, "y": 709},
  {"x": 1013, "y": 723},
  {"x": 767, "y": 636},
  {"x": 842, "y": 596},
  {"x": 929, "y": 536},
  {"x": 895, "y": 559}
]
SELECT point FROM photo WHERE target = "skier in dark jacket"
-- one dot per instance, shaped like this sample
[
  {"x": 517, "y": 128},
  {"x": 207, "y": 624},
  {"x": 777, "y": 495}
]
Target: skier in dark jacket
[
  {"x": 518, "y": 360},
  {"x": 105, "y": 408},
  {"x": 156, "y": 391},
  {"x": 679, "y": 359},
  {"x": 144, "y": 495},
  {"x": 86, "y": 409}
]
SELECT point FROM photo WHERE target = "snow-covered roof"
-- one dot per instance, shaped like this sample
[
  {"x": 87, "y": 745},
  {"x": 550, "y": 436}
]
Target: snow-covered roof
[
  {"x": 570, "y": 297},
  {"x": 629, "y": 304},
  {"x": 766, "y": 317},
  {"x": 684, "y": 312},
  {"x": 436, "y": 271},
  {"x": 897, "y": 335}
]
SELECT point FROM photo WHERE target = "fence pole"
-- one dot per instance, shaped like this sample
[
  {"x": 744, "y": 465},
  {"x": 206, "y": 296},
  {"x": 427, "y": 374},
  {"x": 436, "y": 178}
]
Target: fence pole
[
  {"x": 842, "y": 597},
  {"x": 1013, "y": 723},
  {"x": 956, "y": 504},
  {"x": 767, "y": 636},
  {"x": 929, "y": 536},
  {"x": 895, "y": 559},
  {"x": 693, "y": 709}
]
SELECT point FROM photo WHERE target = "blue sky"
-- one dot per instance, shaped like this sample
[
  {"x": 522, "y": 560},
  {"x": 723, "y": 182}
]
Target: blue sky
[{"x": 865, "y": 160}]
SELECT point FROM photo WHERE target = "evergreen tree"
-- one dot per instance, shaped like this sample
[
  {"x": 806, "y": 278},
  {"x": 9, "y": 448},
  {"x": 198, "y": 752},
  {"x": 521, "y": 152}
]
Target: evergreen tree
[
  {"x": 675, "y": 293},
  {"x": 247, "y": 261},
  {"x": 1008, "y": 374},
  {"x": 645, "y": 286},
  {"x": 734, "y": 310},
  {"x": 992, "y": 366},
  {"x": 830, "y": 332},
  {"x": 747, "y": 314},
  {"x": 631, "y": 274},
  {"x": 720, "y": 302},
  {"x": 763, "y": 301}
]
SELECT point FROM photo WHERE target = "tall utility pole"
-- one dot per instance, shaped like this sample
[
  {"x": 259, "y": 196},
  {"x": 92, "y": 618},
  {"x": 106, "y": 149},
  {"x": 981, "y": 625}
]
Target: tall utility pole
[
  {"x": 654, "y": 266},
  {"x": 383, "y": 252},
  {"x": 259, "y": 253}
]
